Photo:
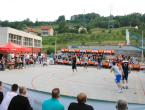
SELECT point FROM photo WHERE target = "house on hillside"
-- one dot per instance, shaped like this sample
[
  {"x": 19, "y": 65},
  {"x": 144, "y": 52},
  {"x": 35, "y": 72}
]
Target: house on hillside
[
  {"x": 46, "y": 30},
  {"x": 71, "y": 27},
  {"x": 30, "y": 30},
  {"x": 82, "y": 27},
  {"x": 136, "y": 27}
]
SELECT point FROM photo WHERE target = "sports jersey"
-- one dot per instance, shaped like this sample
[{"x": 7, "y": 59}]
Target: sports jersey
[
  {"x": 125, "y": 65},
  {"x": 74, "y": 60},
  {"x": 99, "y": 60},
  {"x": 85, "y": 59}
]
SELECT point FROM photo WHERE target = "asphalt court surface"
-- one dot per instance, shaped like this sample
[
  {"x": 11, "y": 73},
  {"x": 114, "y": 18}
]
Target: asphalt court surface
[{"x": 97, "y": 84}]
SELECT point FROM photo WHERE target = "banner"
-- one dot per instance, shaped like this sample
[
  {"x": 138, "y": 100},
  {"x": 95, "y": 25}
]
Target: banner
[
  {"x": 95, "y": 51},
  {"x": 36, "y": 99}
]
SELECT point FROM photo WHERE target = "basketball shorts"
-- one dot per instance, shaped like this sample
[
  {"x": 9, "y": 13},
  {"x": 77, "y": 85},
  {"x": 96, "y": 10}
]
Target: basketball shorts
[
  {"x": 73, "y": 66},
  {"x": 99, "y": 64},
  {"x": 125, "y": 75},
  {"x": 85, "y": 64},
  {"x": 118, "y": 77}
]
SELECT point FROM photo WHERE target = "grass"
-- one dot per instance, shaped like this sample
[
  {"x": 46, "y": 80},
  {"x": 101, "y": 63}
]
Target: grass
[{"x": 105, "y": 40}]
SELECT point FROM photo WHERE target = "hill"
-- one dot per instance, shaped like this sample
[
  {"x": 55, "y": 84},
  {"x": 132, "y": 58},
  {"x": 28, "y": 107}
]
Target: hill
[{"x": 97, "y": 38}]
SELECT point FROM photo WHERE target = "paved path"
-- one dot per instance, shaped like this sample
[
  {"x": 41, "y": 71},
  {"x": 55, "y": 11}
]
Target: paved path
[{"x": 97, "y": 84}]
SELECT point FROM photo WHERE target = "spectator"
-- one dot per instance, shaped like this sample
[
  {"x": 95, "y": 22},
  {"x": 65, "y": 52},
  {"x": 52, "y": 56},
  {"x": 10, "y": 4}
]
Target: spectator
[
  {"x": 82, "y": 99},
  {"x": 1, "y": 93},
  {"x": 53, "y": 103},
  {"x": 20, "y": 102},
  {"x": 121, "y": 104},
  {"x": 9, "y": 95},
  {"x": 2, "y": 64},
  {"x": 51, "y": 57},
  {"x": 1, "y": 55}
]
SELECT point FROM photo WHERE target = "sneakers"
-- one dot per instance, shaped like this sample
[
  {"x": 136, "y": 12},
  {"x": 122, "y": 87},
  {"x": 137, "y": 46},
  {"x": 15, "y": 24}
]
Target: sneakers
[
  {"x": 84, "y": 69},
  {"x": 120, "y": 91},
  {"x": 77, "y": 71},
  {"x": 125, "y": 87},
  {"x": 87, "y": 70}
]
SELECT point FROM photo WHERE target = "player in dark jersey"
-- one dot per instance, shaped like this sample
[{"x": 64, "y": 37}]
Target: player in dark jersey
[
  {"x": 125, "y": 67},
  {"x": 74, "y": 63},
  {"x": 99, "y": 63}
]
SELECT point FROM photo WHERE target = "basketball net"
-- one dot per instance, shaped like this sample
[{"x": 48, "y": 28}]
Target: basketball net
[{"x": 120, "y": 44}]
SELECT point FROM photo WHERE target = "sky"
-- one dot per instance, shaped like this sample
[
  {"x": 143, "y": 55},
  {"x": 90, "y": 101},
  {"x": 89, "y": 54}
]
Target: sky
[{"x": 50, "y": 10}]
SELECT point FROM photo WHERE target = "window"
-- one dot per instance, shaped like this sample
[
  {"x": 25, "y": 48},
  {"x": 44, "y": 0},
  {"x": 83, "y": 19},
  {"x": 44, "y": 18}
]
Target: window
[
  {"x": 15, "y": 39},
  {"x": 37, "y": 43},
  {"x": 27, "y": 41}
]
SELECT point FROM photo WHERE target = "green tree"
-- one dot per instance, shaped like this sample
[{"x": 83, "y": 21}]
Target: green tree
[
  {"x": 83, "y": 31},
  {"x": 123, "y": 32},
  {"x": 63, "y": 28},
  {"x": 61, "y": 18},
  {"x": 76, "y": 31},
  {"x": 89, "y": 32},
  {"x": 50, "y": 50}
]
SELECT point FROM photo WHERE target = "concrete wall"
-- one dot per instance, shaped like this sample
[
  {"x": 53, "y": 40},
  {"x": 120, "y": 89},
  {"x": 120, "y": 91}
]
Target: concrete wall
[{"x": 3, "y": 35}]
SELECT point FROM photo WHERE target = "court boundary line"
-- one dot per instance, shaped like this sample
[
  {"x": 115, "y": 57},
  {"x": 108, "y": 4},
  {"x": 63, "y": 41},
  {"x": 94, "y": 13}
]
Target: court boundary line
[
  {"x": 137, "y": 88},
  {"x": 49, "y": 81},
  {"x": 141, "y": 83}
]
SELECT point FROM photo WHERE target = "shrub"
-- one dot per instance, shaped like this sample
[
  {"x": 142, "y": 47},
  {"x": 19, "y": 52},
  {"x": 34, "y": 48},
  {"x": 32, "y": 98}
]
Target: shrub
[
  {"x": 53, "y": 43},
  {"x": 50, "y": 50},
  {"x": 110, "y": 31},
  {"x": 83, "y": 31},
  {"x": 89, "y": 32},
  {"x": 103, "y": 30}
]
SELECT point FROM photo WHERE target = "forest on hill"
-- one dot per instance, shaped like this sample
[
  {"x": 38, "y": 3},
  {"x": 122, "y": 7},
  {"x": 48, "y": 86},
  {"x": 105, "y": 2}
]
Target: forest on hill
[{"x": 91, "y": 20}]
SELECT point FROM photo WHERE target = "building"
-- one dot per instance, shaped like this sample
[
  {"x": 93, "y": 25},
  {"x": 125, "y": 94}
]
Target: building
[
  {"x": 136, "y": 27},
  {"x": 82, "y": 27},
  {"x": 8, "y": 34},
  {"x": 30, "y": 30},
  {"x": 46, "y": 30},
  {"x": 71, "y": 27}
]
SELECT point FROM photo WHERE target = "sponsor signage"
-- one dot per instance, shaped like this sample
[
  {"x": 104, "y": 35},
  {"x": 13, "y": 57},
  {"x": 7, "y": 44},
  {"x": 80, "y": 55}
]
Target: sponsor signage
[
  {"x": 60, "y": 61},
  {"x": 62, "y": 50},
  {"x": 71, "y": 50},
  {"x": 107, "y": 51},
  {"x": 82, "y": 50},
  {"x": 95, "y": 51}
]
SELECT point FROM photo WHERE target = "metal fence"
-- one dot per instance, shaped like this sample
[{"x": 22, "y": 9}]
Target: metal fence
[{"x": 106, "y": 47}]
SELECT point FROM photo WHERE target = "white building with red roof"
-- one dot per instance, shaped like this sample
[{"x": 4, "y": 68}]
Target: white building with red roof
[{"x": 46, "y": 30}]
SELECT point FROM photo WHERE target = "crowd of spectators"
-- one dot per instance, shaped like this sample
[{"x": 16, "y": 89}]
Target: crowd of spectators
[
  {"x": 13, "y": 101},
  {"x": 95, "y": 56},
  {"x": 21, "y": 60}
]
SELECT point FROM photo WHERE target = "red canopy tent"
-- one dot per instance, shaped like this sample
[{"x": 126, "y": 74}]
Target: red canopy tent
[{"x": 13, "y": 47}]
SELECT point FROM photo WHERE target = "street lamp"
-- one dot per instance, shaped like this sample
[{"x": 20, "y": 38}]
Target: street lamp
[
  {"x": 55, "y": 40},
  {"x": 142, "y": 46}
]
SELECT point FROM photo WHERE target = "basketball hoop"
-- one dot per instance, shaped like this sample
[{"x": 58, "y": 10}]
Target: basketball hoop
[{"x": 120, "y": 44}]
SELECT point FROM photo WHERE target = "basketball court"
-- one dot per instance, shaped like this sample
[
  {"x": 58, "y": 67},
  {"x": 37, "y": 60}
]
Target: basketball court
[{"x": 97, "y": 84}]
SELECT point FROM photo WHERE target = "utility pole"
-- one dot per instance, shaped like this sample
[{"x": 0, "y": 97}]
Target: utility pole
[
  {"x": 55, "y": 40},
  {"x": 111, "y": 22},
  {"x": 142, "y": 46},
  {"x": 130, "y": 24}
]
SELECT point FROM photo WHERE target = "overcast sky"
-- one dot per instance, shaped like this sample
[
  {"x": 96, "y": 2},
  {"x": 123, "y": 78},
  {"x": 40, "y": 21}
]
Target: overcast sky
[{"x": 50, "y": 10}]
